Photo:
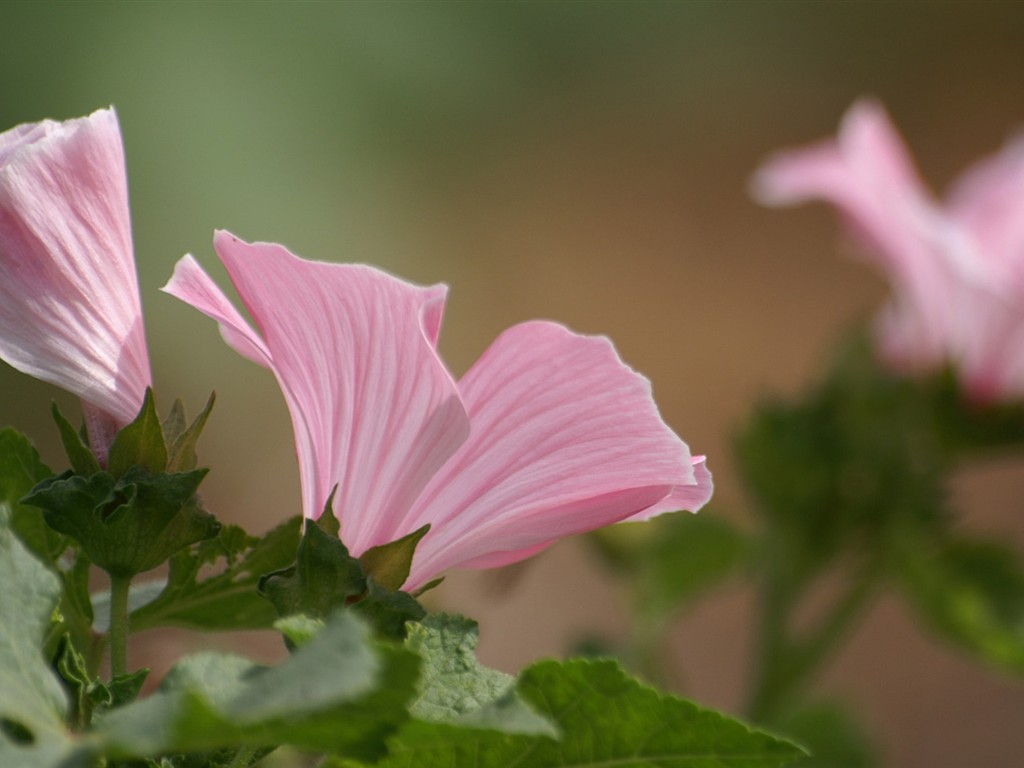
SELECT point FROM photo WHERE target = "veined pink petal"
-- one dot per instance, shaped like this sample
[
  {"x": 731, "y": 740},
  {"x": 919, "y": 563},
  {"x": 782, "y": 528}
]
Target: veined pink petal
[
  {"x": 565, "y": 438},
  {"x": 69, "y": 301},
  {"x": 375, "y": 412}
]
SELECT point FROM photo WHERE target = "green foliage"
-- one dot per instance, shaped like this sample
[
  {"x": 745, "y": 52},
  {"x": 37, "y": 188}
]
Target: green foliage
[
  {"x": 33, "y": 704},
  {"x": 128, "y": 524},
  {"x": 20, "y": 469},
  {"x": 228, "y": 598},
  {"x": 972, "y": 594},
  {"x": 340, "y": 692},
  {"x": 456, "y": 688},
  {"x": 325, "y": 576},
  {"x": 181, "y": 456},
  {"x": 604, "y": 718}
]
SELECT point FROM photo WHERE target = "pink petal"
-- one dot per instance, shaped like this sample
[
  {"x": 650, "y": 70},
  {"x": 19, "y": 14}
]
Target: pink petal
[
  {"x": 374, "y": 410},
  {"x": 69, "y": 302},
  {"x": 867, "y": 174},
  {"x": 988, "y": 201},
  {"x": 565, "y": 438}
]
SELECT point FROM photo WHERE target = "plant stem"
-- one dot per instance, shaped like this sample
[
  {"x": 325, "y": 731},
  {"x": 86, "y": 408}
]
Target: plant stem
[{"x": 118, "y": 633}]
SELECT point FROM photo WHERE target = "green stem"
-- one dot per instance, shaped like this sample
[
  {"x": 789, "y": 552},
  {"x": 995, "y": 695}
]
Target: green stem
[
  {"x": 787, "y": 664},
  {"x": 118, "y": 633}
]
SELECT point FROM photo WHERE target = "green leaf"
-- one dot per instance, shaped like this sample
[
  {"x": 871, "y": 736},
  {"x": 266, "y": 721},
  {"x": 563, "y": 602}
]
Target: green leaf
[
  {"x": 182, "y": 455},
  {"x": 323, "y": 577},
  {"x": 299, "y": 629},
  {"x": 175, "y": 423},
  {"x": 129, "y": 524},
  {"x": 83, "y": 462},
  {"x": 140, "y": 443},
  {"x": 33, "y": 704},
  {"x": 340, "y": 692},
  {"x": 456, "y": 688},
  {"x": 389, "y": 564},
  {"x": 605, "y": 718},
  {"x": 20, "y": 469},
  {"x": 227, "y": 598},
  {"x": 972, "y": 594}
]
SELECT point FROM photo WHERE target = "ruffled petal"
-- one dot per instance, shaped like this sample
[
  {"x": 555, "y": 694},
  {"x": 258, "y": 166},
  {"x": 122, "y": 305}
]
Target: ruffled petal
[
  {"x": 565, "y": 439},
  {"x": 69, "y": 302},
  {"x": 374, "y": 410}
]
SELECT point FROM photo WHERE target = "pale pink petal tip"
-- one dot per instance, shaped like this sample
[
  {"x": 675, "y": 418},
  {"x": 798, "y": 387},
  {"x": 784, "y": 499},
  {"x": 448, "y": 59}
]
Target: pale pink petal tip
[{"x": 69, "y": 303}]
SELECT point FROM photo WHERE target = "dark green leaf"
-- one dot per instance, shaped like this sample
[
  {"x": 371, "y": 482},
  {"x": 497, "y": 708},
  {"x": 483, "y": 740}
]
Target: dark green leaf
[
  {"x": 140, "y": 443},
  {"x": 227, "y": 599},
  {"x": 20, "y": 469},
  {"x": 972, "y": 593},
  {"x": 389, "y": 564},
  {"x": 387, "y": 612},
  {"x": 323, "y": 577},
  {"x": 83, "y": 462},
  {"x": 605, "y": 718}
]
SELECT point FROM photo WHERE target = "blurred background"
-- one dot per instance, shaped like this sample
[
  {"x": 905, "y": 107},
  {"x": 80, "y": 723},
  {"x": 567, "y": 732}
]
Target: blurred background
[{"x": 585, "y": 162}]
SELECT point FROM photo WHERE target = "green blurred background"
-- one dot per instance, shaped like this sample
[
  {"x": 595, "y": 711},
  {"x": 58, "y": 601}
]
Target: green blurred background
[{"x": 585, "y": 162}]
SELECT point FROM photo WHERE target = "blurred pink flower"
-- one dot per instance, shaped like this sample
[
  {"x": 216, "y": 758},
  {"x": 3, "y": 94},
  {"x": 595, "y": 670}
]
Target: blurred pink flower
[
  {"x": 957, "y": 270},
  {"x": 549, "y": 434},
  {"x": 69, "y": 300}
]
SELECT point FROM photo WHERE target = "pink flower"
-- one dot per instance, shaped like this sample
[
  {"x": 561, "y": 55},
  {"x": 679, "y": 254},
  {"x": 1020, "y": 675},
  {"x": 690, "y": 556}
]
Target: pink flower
[
  {"x": 549, "y": 434},
  {"x": 69, "y": 301},
  {"x": 957, "y": 270}
]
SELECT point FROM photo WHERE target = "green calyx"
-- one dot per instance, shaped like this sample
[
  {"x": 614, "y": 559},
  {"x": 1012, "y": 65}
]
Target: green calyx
[{"x": 142, "y": 508}]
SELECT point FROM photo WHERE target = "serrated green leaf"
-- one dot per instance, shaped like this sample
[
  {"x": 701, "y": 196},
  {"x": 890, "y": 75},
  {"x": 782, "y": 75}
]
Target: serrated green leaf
[
  {"x": 389, "y": 564},
  {"x": 20, "y": 470},
  {"x": 33, "y": 704},
  {"x": 83, "y": 462},
  {"x": 227, "y": 599},
  {"x": 182, "y": 454},
  {"x": 140, "y": 443},
  {"x": 456, "y": 688},
  {"x": 340, "y": 692},
  {"x": 128, "y": 524},
  {"x": 605, "y": 718},
  {"x": 972, "y": 594}
]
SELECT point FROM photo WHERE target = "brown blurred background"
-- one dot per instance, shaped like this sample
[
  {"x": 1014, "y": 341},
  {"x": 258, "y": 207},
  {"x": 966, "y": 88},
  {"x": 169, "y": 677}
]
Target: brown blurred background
[{"x": 584, "y": 162}]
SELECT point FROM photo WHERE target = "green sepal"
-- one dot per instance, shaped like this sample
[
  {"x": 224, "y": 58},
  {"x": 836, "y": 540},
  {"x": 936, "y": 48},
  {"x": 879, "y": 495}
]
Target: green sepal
[
  {"x": 175, "y": 423},
  {"x": 83, "y": 462},
  {"x": 388, "y": 611},
  {"x": 182, "y": 455},
  {"x": 127, "y": 524},
  {"x": 324, "y": 575},
  {"x": 389, "y": 564},
  {"x": 428, "y": 586},
  {"x": 140, "y": 443}
]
